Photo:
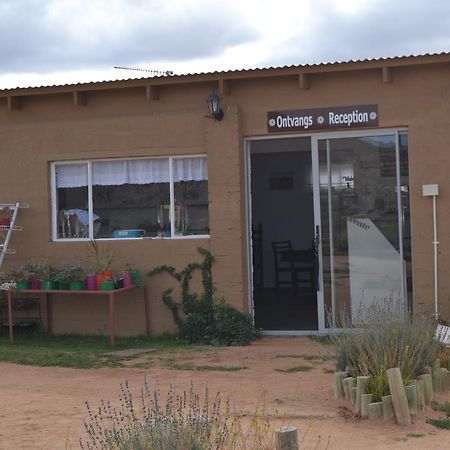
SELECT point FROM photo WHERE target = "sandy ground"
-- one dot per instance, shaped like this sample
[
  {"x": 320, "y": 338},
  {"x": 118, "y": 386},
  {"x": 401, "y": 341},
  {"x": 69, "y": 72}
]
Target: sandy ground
[{"x": 43, "y": 408}]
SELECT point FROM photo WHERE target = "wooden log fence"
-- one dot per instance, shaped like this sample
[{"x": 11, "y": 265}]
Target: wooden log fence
[{"x": 403, "y": 401}]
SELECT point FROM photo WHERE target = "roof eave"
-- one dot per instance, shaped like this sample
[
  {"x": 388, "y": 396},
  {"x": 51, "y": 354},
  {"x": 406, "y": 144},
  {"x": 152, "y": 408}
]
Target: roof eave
[{"x": 370, "y": 64}]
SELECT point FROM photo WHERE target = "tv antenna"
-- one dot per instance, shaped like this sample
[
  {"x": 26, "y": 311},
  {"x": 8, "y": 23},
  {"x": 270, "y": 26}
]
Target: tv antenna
[{"x": 157, "y": 72}]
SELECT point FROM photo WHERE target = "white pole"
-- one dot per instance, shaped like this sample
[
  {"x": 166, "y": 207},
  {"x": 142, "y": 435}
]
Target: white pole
[{"x": 435, "y": 245}]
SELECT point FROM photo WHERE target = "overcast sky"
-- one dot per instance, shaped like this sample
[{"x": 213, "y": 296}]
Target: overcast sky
[{"x": 64, "y": 41}]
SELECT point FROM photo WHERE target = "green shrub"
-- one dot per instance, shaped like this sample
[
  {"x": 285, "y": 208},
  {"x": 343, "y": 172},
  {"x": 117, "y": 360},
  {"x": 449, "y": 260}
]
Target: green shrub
[
  {"x": 232, "y": 327},
  {"x": 439, "y": 423},
  {"x": 200, "y": 318},
  {"x": 383, "y": 336}
]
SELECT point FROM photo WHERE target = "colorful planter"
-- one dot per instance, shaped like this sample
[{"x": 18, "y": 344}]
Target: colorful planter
[
  {"x": 107, "y": 286},
  {"x": 91, "y": 283},
  {"x": 36, "y": 284},
  {"x": 99, "y": 280},
  {"x": 23, "y": 285},
  {"x": 47, "y": 285},
  {"x": 63, "y": 286},
  {"x": 136, "y": 277},
  {"x": 127, "y": 280},
  {"x": 77, "y": 286}
]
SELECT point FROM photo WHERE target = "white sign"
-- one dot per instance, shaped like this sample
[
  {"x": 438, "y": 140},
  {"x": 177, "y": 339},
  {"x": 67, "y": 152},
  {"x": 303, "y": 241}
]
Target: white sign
[{"x": 375, "y": 270}]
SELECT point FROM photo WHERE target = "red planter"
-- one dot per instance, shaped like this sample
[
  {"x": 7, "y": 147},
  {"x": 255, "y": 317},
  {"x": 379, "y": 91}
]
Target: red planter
[{"x": 99, "y": 280}]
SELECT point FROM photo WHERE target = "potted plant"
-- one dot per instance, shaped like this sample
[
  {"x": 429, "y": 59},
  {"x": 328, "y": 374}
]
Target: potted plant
[
  {"x": 71, "y": 277},
  {"x": 62, "y": 277},
  {"x": 99, "y": 261},
  {"x": 107, "y": 284},
  {"x": 49, "y": 277},
  {"x": 131, "y": 276},
  {"x": 77, "y": 275},
  {"x": 19, "y": 276},
  {"x": 35, "y": 272}
]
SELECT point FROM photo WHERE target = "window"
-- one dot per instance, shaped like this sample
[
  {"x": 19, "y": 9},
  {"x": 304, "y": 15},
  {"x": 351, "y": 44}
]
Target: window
[{"x": 158, "y": 197}]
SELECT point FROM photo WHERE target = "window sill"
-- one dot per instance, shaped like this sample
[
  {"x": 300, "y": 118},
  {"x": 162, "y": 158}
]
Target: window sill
[{"x": 155, "y": 238}]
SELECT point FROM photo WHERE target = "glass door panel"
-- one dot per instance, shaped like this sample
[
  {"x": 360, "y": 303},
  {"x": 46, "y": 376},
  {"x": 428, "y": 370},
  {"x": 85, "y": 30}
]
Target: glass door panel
[{"x": 361, "y": 251}]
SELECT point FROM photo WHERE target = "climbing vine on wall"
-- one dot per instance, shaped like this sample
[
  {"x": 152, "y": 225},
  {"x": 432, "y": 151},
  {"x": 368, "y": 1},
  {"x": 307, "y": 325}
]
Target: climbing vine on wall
[{"x": 200, "y": 317}]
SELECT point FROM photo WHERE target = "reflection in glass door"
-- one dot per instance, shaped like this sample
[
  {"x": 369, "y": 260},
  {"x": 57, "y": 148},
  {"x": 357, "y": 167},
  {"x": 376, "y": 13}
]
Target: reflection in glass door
[{"x": 364, "y": 208}]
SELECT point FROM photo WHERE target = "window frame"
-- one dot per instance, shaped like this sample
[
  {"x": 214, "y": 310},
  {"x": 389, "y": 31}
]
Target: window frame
[{"x": 89, "y": 162}]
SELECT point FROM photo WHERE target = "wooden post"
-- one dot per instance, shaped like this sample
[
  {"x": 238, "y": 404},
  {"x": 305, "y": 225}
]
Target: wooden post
[
  {"x": 420, "y": 395},
  {"x": 353, "y": 394},
  {"x": 399, "y": 399},
  {"x": 411, "y": 395},
  {"x": 112, "y": 320},
  {"x": 427, "y": 387},
  {"x": 365, "y": 400},
  {"x": 49, "y": 306},
  {"x": 338, "y": 389},
  {"x": 10, "y": 317},
  {"x": 147, "y": 309},
  {"x": 360, "y": 389},
  {"x": 444, "y": 379},
  {"x": 347, "y": 384},
  {"x": 287, "y": 438},
  {"x": 375, "y": 410},
  {"x": 388, "y": 407},
  {"x": 436, "y": 372}
]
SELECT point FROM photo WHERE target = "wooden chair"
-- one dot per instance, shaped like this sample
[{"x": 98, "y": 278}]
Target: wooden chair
[{"x": 289, "y": 264}]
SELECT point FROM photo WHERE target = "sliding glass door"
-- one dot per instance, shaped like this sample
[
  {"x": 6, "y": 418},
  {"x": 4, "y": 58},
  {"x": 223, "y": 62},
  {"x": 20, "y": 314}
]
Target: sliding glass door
[{"x": 364, "y": 214}]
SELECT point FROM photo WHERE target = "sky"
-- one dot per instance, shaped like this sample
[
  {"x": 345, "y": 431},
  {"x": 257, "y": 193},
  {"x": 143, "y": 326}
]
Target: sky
[{"x": 46, "y": 42}]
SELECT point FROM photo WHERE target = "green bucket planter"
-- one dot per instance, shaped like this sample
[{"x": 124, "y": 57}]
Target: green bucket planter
[
  {"x": 76, "y": 286},
  {"x": 136, "y": 276},
  {"x": 47, "y": 285},
  {"x": 63, "y": 286},
  {"x": 23, "y": 284},
  {"x": 107, "y": 286}
]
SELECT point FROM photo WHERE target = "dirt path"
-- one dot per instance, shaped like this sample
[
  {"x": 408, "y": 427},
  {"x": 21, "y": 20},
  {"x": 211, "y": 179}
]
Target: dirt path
[{"x": 43, "y": 408}]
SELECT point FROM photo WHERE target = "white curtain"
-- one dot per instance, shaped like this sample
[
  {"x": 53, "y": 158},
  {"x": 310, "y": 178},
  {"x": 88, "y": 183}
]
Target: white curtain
[
  {"x": 137, "y": 171},
  {"x": 134, "y": 171},
  {"x": 71, "y": 175},
  {"x": 190, "y": 169}
]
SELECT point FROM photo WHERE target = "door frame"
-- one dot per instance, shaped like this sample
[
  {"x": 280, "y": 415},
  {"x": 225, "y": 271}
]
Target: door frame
[{"x": 314, "y": 139}]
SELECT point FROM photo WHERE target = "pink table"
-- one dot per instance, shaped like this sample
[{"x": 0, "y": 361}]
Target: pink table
[{"x": 49, "y": 301}]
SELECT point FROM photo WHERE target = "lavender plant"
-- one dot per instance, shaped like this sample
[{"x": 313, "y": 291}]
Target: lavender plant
[{"x": 184, "y": 421}]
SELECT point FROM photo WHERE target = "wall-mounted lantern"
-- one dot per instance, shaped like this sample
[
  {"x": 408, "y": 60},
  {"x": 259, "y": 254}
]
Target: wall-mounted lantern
[{"x": 215, "y": 111}]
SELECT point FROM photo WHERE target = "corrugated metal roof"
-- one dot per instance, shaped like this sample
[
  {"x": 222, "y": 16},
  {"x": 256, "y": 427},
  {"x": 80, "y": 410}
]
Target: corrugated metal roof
[{"x": 224, "y": 73}]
